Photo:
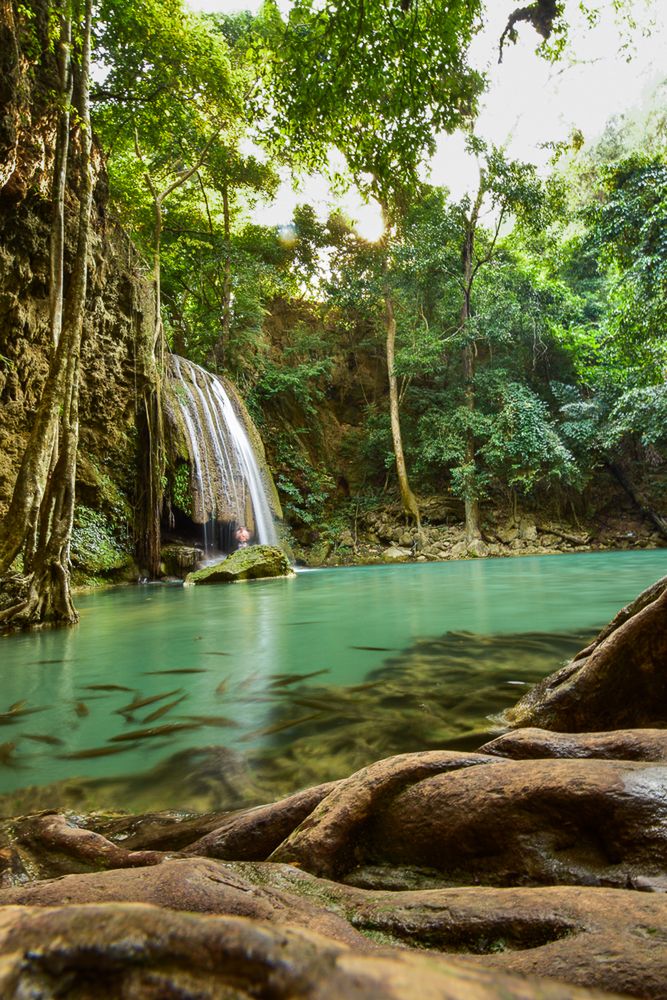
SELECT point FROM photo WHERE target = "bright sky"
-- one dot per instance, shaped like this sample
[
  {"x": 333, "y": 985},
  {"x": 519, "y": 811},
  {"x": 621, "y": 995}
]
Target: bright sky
[{"x": 529, "y": 102}]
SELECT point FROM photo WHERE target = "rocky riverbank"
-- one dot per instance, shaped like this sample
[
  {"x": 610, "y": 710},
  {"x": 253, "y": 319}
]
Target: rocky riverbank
[{"x": 382, "y": 536}]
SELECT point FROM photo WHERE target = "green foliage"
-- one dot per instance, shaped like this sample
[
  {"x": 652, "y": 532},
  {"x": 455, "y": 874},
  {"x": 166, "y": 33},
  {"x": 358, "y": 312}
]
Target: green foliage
[
  {"x": 94, "y": 546},
  {"x": 377, "y": 81},
  {"x": 523, "y": 446},
  {"x": 181, "y": 492},
  {"x": 304, "y": 491}
]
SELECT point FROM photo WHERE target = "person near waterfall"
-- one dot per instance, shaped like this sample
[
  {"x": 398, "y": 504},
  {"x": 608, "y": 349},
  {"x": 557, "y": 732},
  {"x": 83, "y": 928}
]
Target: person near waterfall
[{"x": 242, "y": 536}]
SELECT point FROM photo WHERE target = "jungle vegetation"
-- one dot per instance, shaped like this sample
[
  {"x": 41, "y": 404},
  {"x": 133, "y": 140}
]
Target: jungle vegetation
[{"x": 521, "y": 328}]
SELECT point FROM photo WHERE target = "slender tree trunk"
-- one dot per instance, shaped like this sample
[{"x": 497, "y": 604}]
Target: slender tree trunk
[
  {"x": 47, "y": 598},
  {"x": 408, "y": 499},
  {"x": 150, "y": 416},
  {"x": 472, "y": 528},
  {"x": 227, "y": 280},
  {"x": 151, "y": 426}
]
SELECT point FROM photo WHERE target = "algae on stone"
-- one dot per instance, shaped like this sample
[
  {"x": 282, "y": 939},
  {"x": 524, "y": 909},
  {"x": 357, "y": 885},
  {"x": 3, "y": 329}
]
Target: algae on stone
[{"x": 253, "y": 563}]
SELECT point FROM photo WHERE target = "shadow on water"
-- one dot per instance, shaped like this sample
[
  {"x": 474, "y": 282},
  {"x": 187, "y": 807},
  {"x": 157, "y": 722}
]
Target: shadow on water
[{"x": 438, "y": 693}]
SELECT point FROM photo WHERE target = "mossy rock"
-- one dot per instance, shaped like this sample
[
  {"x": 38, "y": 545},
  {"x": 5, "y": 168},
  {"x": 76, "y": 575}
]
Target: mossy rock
[
  {"x": 253, "y": 563},
  {"x": 179, "y": 559}
]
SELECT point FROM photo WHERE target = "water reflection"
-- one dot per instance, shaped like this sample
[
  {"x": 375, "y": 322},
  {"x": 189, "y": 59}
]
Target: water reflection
[{"x": 400, "y": 674}]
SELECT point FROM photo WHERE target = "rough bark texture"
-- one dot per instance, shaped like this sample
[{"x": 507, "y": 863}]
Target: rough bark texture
[
  {"x": 621, "y": 744},
  {"x": 115, "y": 305},
  {"x": 91, "y": 904},
  {"x": 137, "y": 951},
  {"x": 619, "y": 681}
]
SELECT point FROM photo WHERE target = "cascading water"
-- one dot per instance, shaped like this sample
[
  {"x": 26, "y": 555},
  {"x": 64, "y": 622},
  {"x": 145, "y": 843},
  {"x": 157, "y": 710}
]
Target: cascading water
[{"x": 228, "y": 485}]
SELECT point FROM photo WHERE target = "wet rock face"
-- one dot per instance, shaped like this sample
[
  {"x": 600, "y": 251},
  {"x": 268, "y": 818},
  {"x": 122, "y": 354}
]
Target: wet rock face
[{"x": 254, "y": 563}]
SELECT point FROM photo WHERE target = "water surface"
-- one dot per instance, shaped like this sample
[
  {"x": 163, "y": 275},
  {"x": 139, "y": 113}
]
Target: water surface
[{"x": 410, "y": 656}]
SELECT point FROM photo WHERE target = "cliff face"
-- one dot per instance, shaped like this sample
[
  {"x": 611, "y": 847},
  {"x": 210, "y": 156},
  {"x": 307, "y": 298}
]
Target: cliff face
[{"x": 119, "y": 303}]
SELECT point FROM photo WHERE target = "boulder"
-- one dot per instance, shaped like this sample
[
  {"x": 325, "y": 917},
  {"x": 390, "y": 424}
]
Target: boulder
[
  {"x": 179, "y": 559},
  {"x": 254, "y": 563},
  {"x": 395, "y": 554}
]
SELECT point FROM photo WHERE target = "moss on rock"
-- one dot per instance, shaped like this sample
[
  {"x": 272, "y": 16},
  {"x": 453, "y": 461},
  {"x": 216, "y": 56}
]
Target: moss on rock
[{"x": 253, "y": 563}]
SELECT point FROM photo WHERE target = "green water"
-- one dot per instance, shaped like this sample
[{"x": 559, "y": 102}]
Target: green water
[{"x": 437, "y": 676}]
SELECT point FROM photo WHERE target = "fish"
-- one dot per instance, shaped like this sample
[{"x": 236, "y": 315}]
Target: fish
[
  {"x": 322, "y": 706},
  {"x": 248, "y": 681},
  {"x": 143, "y": 702},
  {"x": 179, "y": 670},
  {"x": 106, "y": 687},
  {"x": 212, "y": 720},
  {"x": 278, "y": 727},
  {"x": 33, "y": 662},
  {"x": 17, "y": 706},
  {"x": 142, "y": 734},
  {"x": 9, "y": 718},
  {"x": 377, "y": 649},
  {"x": 92, "y": 752},
  {"x": 163, "y": 709},
  {"x": 81, "y": 709},
  {"x": 7, "y": 754},
  {"x": 282, "y": 680},
  {"x": 317, "y": 622},
  {"x": 43, "y": 738},
  {"x": 214, "y": 652}
]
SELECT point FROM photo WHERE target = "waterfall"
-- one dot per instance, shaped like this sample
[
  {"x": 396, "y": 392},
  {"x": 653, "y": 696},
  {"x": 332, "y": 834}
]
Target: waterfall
[{"x": 228, "y": 481}]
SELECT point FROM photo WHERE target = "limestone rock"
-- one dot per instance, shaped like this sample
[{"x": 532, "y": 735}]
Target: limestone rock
[
  {"x": 254, "y": 833},
  {"x": 528, "y": 822},
  {"x": 527, "y": 529},
  {"x": 508, "y": 533},
  {"x": 620, "y": 744},
  {"x": 330, "y": 839},
  {"x": 180, "y": 559},
  {"x": 608, "y": 938},
  {"x": 253, "y": 563},
  {"x": 395, "y": 554},
  {"x": 198, "y": 885}
]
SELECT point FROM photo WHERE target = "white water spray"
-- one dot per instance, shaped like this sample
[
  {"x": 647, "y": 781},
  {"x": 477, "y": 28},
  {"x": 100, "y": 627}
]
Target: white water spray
[{"x": 227, "y": 481}]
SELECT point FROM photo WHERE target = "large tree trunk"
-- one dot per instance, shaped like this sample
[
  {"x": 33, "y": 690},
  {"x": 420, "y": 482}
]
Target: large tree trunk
[
  {"x": 618, "y": 681},
  {"x": 41, "y": 514}
]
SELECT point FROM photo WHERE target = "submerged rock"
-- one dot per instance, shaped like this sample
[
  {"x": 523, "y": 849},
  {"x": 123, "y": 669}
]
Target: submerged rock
[{"x": 254, "y": 563}]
